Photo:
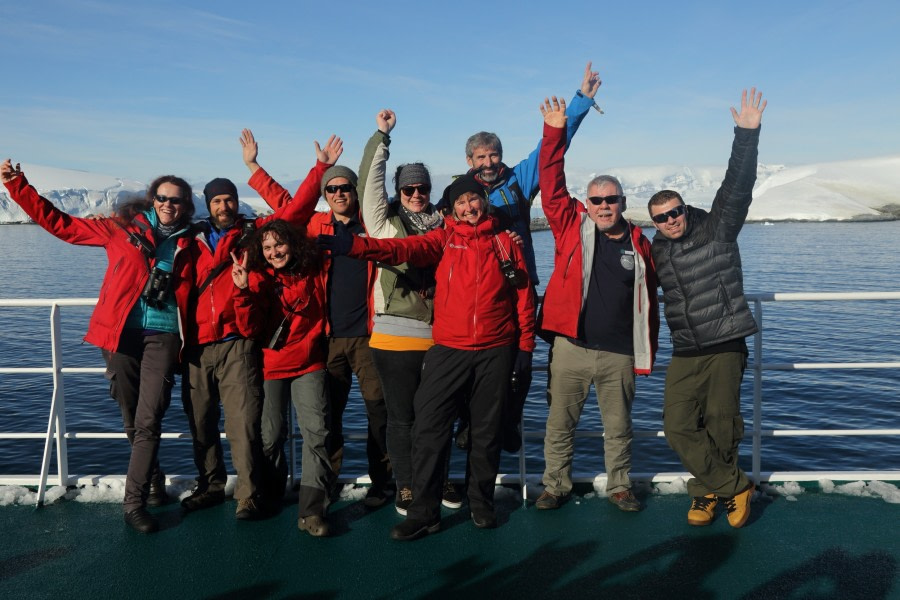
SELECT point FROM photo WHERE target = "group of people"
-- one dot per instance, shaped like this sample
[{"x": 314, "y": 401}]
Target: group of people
[{"x": 432, "y": 306}]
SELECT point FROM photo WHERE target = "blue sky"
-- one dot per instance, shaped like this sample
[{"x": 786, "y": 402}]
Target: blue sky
[{"x": 140, "y": 89}]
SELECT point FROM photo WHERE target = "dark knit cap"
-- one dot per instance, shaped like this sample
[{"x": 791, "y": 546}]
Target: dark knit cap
[
  {"x": 461, "y": 185},
  {"x": 217, "y": 187},
  {"x": 335, "y": 172},
  {"x": 413, "y": 173}
]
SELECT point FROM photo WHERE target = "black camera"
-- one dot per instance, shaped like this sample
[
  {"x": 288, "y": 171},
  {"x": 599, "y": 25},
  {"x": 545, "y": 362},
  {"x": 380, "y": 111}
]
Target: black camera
[
  {"x": 156, "y": 292},
  {"x": 247, "y": 230},
  {"x": 515, "y": 277},
  {"x": 278, "y": 338}
]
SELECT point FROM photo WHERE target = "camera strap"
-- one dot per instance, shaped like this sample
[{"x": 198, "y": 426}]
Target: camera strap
[
  {"x": 287, "y": 318},
  {"x": 213, "y": 274},
  {"x": 502, "y": 250}
]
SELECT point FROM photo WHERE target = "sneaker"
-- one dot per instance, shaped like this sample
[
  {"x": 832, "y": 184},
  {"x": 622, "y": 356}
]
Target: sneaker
[
  {"x": 247, "y": 510},
  {"x": 314, "y": 525},
  {"x": 375, "y": 496},
  {"x": 738, "y": 507},
  {"x": 547, "y": 501},
  {"x": 484, "y": 520},
  {"x": 199, "y": 500},
  {"x": 158, "y": 495},
  {"x": 451, "y": 497},
  {"x": 142, "y": 521},
  {"x": 625, "y": 501},
  {"x": 702, "y": 510},
  {"x": 411, "y": 529},
  {"x": 404, "y": 499}
]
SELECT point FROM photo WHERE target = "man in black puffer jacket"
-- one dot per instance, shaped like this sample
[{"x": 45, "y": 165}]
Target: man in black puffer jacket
[{"x": 699, "y": 268}]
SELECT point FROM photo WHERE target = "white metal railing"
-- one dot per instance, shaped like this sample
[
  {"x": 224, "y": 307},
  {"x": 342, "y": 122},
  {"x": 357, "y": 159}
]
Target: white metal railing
[{"x": 57, "y": 432}]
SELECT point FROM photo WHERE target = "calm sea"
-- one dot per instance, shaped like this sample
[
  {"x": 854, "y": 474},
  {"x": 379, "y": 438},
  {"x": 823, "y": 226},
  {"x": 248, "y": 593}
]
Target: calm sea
[{"x": 796, "y": 257}]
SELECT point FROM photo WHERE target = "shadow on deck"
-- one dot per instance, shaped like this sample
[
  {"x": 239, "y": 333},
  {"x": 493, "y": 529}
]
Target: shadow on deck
[{"x": 819, "y": 546}]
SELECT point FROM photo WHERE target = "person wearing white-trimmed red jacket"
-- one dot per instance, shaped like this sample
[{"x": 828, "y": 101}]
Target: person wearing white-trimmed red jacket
[{"x": 601, "y": 312}]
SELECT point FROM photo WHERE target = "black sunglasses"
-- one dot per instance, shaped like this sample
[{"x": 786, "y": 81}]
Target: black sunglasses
[
  {"x": 174, "y": 200},
  {"x": 674, "y": 213},
  {"x": 334, "y": 189},
  {"x": 598, "y": 200},
  {"x": 409, "y": 190}
]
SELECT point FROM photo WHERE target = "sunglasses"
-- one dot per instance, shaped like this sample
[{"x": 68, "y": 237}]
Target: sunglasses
[
  {"x": 664, "y": 217},
  {"x": 334, "y": 189},
  {"x": 598, "y": 200},
  {"x": 409, "y": 190},
  {"x": 174, "y": 200}
]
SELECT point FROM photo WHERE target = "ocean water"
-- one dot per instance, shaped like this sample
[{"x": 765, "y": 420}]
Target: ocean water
[{"x": 791, "y": 257}]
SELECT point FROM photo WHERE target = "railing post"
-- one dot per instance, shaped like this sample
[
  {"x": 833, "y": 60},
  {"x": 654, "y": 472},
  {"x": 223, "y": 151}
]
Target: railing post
[
  {"x": 522, "y": 473},
  {"x": 757, "y": 392},
  {"x": 56, "y": 424}
]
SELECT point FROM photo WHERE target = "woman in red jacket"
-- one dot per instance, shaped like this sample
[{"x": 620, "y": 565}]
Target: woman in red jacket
[
  {"x": 281, "y": 302},
  {"x": 138, "y": 319},
  {"x": 483, "y": 325}
]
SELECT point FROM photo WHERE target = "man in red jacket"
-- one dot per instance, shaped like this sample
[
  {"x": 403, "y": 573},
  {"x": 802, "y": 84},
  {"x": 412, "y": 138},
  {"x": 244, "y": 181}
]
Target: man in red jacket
[
  {"x": 221, "y": 361},
  {"x": 600, "y": 308}
]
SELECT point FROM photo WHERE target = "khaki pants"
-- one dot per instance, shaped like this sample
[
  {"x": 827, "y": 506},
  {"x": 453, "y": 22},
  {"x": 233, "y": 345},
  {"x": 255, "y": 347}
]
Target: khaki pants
[{"x": 572, "y": 370}]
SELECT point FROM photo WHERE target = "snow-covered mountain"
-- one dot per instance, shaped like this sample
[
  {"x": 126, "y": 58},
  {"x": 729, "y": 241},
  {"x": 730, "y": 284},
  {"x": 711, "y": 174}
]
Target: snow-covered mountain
[{"x": 867, "y": 189}]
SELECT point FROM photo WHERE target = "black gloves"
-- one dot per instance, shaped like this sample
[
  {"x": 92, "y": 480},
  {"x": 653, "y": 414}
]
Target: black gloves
[
  {"x": 522, "y": 363},
  {"x": 338, "y": 244}
]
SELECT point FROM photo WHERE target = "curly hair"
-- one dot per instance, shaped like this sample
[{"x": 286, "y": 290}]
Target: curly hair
[{"x": 304, "y": 254}]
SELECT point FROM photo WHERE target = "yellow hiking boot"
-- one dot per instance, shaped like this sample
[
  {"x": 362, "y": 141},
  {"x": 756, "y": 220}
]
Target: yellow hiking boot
[
  {"x": 738, "y": 507},
  {"x": 702, "y": 509}
]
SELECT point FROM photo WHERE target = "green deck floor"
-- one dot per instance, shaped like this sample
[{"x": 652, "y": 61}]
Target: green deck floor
[{"x": 819, "y": 546}]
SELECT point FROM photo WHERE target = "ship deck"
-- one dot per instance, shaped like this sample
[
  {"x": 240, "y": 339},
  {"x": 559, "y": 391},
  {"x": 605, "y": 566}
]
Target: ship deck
[{"x": 812, "y": 545}]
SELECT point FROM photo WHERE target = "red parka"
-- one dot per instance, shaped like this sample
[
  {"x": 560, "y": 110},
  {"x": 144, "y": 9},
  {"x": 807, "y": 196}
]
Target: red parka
[
  {"x": 573, "y": 235},
  {"x": 214, "y": 314},
  {"x": 316, "y": 223},
  {"x": 475, "y": 308},
  {"x": 279, "y": 297},
  {"x": 127, "y": 271}
]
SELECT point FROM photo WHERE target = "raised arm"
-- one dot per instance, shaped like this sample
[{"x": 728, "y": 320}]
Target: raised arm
[
  {"x": 74, "y": 230},
  {"x": 301, "y": 208},
  {"x": 732, "y": 202},
  {"x": 527, "y": 171},
  {"x": 272, "y": 192},
  {"x": 559, "y": 207},
  {"x": 373, "y": 194},
  {"x": 298, "y": 210}
]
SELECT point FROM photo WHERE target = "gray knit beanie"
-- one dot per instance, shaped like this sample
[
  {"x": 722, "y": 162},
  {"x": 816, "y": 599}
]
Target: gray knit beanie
[
  {"x": 411, "y": 174},
  {"x": 335, "y": 172}
]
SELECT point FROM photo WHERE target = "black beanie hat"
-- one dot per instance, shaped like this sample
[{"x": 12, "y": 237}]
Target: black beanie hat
[
  {"x": 459, "y": 186},
  {"x": 217, "y": 187}
]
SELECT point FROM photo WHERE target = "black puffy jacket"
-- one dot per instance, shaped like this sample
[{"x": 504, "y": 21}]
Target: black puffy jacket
[{"x": 700, "y": 272}]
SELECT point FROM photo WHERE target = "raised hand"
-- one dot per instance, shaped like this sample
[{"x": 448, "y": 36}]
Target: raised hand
[
  {"x": 239, "y": 273},
  {"x": 332, "y": 150},
  {"x": 554, "y": 111},
  {"x": 591, "y": 82},
  {"x": 752, "y": 107},
  {"x": 250, "y": 150},
  {"x": 386, "y": 120},
  {"x": 8, "y": 172}
]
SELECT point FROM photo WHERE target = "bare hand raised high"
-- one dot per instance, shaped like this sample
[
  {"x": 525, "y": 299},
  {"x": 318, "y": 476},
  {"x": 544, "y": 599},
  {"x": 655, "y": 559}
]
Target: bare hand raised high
[
  {"x": 752, "y": 108},
  {"x": 332, "y": 150},
  {"x": 554, "y": 111}
]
